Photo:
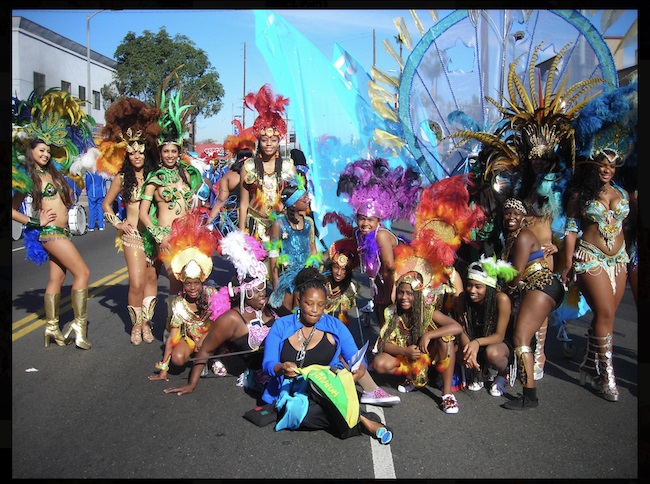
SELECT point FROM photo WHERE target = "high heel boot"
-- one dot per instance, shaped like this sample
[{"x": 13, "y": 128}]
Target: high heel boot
[
  {"x": 79, "y": 324},
  {"x": 136, "y": 324},
  {"x": 148, "y": 306},
  {"x": 52, "y": 330},
  {"x": 588, "y": 368},
  {"x": 540, "y": 357},
  {"x": 602, "y": 376}
]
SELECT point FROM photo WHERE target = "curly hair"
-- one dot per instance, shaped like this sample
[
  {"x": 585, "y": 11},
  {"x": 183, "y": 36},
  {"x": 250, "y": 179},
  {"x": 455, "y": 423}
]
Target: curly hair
[
  {"x": 585, "y": 184},
  {"x": 130, "y": 181}
]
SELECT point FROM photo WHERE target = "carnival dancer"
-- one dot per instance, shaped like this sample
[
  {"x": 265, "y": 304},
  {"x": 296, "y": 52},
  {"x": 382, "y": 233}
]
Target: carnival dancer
[
  {"x": 227, "y": 188},
  {"x": 49, "y": 131},
  {"x": 264, "y": 177},
  {"x": 598, "y": 207},
  {"x": 240, "y": 313},
  {"x": 379, "y": 194},
  {"x": 485, "y": 312},
  {"x": 169, "y": 191},
  {"x": 536, "y": 290},
  {"x": 535, "y": 142},
  {"x": 292, "y": 246},
  {"x": 191, "y": 247},
  {"x": 419, "y": 331},
  {"x": 129, "y": 138}
]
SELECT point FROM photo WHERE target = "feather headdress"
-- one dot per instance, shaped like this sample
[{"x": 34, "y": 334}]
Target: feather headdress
[
  {"x": 57, "y": 118},
  {"x": 542, "y": 120},
  {"x": 174, "y": 114},
  {"x": 130, "y": 125},
  {"x": 246, "y": 254},
  {"x": 488, "y": 270},
  {"x": 376, "y": 190},
  {"x": 270, "y": 110},
  {"x": 192, "y": 245},
  {"x": 444, "y": 219},
  {"x": 608, "y": 122}
]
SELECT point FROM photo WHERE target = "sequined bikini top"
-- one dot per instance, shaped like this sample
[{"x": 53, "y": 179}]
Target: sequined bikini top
[
  {"x": 49, "y": 190},
  {"x": 609, "y": 222}
]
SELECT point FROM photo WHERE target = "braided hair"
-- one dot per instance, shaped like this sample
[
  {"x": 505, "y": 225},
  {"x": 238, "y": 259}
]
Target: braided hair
[{"x": 310, "y": 278}]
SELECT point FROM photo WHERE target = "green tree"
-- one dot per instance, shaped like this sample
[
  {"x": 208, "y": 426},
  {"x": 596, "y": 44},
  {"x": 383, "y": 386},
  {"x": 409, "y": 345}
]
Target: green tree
[{"x": 143, "y": 62}]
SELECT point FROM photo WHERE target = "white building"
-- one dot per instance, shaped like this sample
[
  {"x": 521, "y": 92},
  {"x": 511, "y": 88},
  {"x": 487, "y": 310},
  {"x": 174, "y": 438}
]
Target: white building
[{"x": 41, "y": 58}]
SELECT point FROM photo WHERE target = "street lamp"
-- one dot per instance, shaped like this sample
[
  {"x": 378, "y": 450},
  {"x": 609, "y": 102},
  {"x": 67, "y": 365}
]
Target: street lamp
[{"x": 90, "y": 92}]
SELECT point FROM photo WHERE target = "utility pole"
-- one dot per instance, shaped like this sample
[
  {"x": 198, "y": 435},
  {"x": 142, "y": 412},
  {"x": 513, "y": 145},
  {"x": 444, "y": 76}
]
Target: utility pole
[
  {"x": 243, "y": 104},
  {"x": 374, "y": 57}
]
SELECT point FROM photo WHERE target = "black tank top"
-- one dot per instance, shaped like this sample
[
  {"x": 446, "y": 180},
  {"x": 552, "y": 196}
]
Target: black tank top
[{"x": 321, "y": 354}]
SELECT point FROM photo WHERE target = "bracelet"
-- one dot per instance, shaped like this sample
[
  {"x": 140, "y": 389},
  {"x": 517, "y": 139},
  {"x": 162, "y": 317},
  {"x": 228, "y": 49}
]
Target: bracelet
[
  {"x": 163, "y": 365},
  {"x": 479, "y": 343},
  {"x": 33, "y": 222},
  {"x": 113, "y": 219},
  {"x": 147, "y": 197},
  {"x": 158, "y": 233}
]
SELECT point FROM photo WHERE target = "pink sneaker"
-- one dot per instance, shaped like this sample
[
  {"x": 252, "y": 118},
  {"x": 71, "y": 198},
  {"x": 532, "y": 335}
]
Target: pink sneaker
[{"x": 379, "y": 397}]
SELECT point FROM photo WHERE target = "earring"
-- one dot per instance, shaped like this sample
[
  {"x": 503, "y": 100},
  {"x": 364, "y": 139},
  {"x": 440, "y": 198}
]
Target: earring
[{"x": 298, "y": 313}]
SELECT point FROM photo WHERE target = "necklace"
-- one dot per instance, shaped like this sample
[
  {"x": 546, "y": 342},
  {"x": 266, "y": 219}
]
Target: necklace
[
  {"x": 300, "y": 356},
  {"x": 172, "y": 174},
  {"x": 41, "y": 171},
  {"x": 510, "y": 239}
]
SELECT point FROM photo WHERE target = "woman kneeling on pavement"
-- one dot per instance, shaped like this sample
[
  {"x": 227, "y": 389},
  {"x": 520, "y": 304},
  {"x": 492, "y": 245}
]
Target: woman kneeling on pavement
[{"x": 240, "y": 314}]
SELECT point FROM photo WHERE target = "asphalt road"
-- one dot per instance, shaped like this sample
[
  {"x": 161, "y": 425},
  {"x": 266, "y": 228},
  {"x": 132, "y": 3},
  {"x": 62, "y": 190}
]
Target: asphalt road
[{"x": 93, "y": 414}]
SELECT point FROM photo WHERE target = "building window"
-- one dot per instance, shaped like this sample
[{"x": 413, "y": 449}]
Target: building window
[
  {"x": 96, "y": 99},
  {"x": 82, "y": 93},
  {"x": 66, "y": 87},
  {"x": 39, "y": 83}
]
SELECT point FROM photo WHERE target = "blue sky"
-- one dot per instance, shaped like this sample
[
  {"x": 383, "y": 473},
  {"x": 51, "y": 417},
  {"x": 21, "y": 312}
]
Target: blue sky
[{"x": 222, "y": 34}]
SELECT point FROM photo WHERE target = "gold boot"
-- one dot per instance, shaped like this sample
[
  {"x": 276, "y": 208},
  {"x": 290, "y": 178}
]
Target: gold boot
[
  {"x": 79, "y": 324},
  {"x": 136, "y": 324},
  {"x": 148, "y": 306},
  {"x": 52, "y": 330},
  {"x": 540, "y": 357}
]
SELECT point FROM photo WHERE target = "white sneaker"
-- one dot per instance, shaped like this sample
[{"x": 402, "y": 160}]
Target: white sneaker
[
  {"x": 449, "y": 403},
  {"x": 218, "y": 368},
  {"x": 498, "y": 388},
  {"x": 379, "y": 397},
  {"x": 475, "y": 386}
]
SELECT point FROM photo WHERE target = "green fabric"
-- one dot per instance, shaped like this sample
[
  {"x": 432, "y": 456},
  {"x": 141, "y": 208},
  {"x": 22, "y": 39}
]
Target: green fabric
[{"x": 338, "y": 387}]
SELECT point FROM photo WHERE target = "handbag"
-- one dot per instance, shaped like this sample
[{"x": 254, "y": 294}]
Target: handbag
[{"x": 262, "y": 415}]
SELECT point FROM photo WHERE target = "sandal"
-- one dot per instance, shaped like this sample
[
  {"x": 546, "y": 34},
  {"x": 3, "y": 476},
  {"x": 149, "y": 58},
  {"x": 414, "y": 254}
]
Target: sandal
[
  {"x": 136, "y": 334},
  {"x": 147, "y": 335}
]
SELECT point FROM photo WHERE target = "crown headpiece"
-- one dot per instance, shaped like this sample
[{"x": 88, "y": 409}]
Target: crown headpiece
[{"x": 134, "y": 141}]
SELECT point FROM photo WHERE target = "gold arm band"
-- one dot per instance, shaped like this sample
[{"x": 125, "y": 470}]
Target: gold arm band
[
  {"x": 158, "y": 233},
  {"x": 113, "y": 219}
]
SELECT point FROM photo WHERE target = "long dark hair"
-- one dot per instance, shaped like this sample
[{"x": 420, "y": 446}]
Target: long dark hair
[
  {"x": 58, "y": 181},
  {"x": 415, "y": 316},
  {"x": 481, "y": 317},
  {"x": 130, "y": 182},
  {"x": 585, "y": 182},
  {"x": 259, "y": 167}
]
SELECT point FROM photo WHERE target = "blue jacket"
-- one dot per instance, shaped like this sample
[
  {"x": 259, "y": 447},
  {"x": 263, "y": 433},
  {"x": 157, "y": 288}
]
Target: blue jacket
[
  {"x": 286, "y": 326},
  {"x": 95, "y": 185}
]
